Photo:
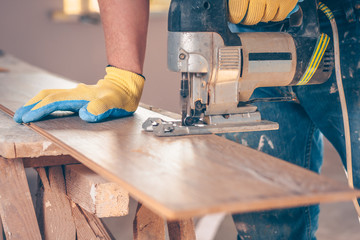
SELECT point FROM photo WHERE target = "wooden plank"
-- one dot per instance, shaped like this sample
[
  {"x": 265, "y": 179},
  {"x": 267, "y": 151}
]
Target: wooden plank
[
  {"x": 48, "y": 161},
  {"x": 88, "y": 226},
  {"x": 182, "y": 230},
  {"x": 55, "y": 212},
  {"x": 96, "y": 225},
  {"x": 178, "y": 177},
  {"x": 95, "y": 194},
  {"x": 148, "y": 225},
  {"x": 18, "y": 141},
  {"x": 83, "y": 230},
  {"x": 139, "y": 161},
  {"x": 16, "y": 207}
]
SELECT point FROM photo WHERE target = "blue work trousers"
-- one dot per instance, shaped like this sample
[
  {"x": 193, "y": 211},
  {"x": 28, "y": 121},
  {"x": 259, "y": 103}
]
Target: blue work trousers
[{"x": 303, "y": 123}]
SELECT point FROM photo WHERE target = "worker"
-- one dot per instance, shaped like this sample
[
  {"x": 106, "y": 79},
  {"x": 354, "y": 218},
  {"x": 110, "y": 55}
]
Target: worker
[
  {"x": 316, "y": 110},
  {"x": 118, "y": 93}
]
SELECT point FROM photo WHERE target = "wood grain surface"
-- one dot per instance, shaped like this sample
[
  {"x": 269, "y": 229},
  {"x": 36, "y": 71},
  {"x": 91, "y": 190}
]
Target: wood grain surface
[
  {"x": 16, "y": 207},
  {"x": 181, "y": 230},
  {"x": 53, "y": 206},
  {"x": 148, "y": 225},
  {"x": 177, "y": 177},
  {"x": 94, "y": 193},
  {"x": 18, "y": 141},
  {"x": 88, "y": 226},
  {"x": 48, "y": 161}
]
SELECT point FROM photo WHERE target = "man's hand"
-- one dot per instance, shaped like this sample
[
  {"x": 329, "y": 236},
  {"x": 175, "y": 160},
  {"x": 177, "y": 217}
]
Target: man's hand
[
  {"x": 251, "y": 12},
  {"x": 117, "y": 95}
]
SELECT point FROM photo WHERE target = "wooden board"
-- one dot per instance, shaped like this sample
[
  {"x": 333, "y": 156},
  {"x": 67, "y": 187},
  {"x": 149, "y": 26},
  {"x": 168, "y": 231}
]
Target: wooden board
[
  {"x": 147, "y": 225},
  {"x": 48, "y": 161},
  {"x": 182, "y": 230},
  {"x": 53, "y": 206},
  {"x": 88, "y": 226},
  {"x": 16, "y": 207},
  {"x": 178, "y": 177},
  {"x": 18, "y": 141}
]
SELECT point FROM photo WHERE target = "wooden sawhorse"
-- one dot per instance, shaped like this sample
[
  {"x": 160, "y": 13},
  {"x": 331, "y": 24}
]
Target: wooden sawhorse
[{"x": 57, "y": 214}]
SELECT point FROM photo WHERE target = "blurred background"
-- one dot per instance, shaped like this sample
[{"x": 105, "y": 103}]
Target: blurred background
[{"x": 65, "y": 37}]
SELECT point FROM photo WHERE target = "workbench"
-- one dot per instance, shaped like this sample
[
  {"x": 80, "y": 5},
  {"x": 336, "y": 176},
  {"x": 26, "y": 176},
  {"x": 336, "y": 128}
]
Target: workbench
[{"x": 174, "y": 179}]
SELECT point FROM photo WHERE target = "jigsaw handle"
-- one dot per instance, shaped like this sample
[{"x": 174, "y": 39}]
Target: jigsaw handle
[
  {"x": 202, "y": 16},
  {"x": 307, "y": 21}
]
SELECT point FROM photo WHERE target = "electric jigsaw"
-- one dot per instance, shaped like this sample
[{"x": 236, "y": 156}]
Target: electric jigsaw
[{"x": 220, "y": 69}]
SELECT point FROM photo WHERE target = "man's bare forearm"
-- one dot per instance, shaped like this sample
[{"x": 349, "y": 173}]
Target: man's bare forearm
[{"x": 125, "y": 24}]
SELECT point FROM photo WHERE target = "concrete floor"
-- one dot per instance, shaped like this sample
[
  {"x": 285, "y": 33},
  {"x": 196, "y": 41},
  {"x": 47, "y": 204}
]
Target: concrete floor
[{"x": 338, "y": 221}]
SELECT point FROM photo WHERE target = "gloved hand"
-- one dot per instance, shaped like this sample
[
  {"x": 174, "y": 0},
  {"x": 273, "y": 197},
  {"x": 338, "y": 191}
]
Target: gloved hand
[
  {"x": 117, "y": 95},
  {"x": 251, "y": 12}
]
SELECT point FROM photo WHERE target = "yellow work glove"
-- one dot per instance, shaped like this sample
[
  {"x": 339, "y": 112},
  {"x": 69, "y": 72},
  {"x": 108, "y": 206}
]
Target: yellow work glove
[
  {"x": 117, "y": 95},
  {"x": 251, "y": 12}
]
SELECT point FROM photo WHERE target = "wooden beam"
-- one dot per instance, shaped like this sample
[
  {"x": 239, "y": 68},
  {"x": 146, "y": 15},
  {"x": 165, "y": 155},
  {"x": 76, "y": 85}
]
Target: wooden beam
[
  {"x": 54, "y": 210},
  {"x": 148, "y": 225},
  {"x": 181, "y": 230},
  {"x": 94, "y": 193},
  {"x": 16, "y": 207},
  {"x": 18, "y": 141},
  {"x": 48, "y": 161},
  {"x": 88, "y": 226}
]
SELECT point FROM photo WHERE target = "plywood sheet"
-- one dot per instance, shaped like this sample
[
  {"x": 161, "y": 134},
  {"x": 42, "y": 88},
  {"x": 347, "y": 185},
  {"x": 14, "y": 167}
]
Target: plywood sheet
[{"x": 180, "y": 177}]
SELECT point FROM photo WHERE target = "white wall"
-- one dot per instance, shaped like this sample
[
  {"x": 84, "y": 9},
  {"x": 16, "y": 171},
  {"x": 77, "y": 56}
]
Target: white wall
[{"x": 77, "y": 51}]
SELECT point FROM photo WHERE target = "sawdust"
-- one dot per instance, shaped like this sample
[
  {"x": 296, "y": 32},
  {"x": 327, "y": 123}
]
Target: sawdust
[
  {"x": 262, "y": 142},
  {"x": 47, "y": 204},
  {"x": 333, "y": 88}
]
